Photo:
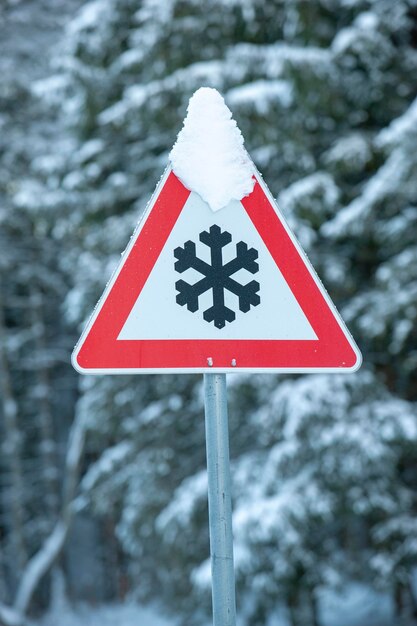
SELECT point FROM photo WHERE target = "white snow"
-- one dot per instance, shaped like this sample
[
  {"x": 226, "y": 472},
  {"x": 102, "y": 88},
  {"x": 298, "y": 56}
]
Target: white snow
[
  {"x": 209, "y": 157},
  {"x": 401, "y": 129},
  {"x": 357, "y": 604},
  {"x": 180, "y": 510},
  {"x": 88, "y": 16},
  {"x": 262, "y": 93},
  {"x": 128, "y": 614}
]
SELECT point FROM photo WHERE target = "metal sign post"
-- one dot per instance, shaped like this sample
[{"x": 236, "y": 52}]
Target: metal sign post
[{"x": 219, "y": 500}]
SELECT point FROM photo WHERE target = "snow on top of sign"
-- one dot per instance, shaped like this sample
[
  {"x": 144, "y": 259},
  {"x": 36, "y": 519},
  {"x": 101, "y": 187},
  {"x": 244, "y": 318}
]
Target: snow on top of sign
[{"x": 209, "y": 157}]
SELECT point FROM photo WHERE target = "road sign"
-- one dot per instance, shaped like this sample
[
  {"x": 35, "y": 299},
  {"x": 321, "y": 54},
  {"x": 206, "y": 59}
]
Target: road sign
[{"x": 204, "y": 291}]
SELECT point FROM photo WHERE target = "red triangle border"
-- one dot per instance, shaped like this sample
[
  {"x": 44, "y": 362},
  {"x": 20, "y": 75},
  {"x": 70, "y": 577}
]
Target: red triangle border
[{"x": 99, "y": 351}]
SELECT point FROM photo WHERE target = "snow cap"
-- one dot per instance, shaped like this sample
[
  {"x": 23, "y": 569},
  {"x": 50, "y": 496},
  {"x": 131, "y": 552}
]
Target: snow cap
[{"x": 208, "y": 156}]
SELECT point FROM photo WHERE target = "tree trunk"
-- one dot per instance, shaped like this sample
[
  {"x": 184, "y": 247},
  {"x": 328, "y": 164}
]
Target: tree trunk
[
  {"x": 293, "y": 608},
  {"x": 413, "y": 599},
  {"x": 314, "y": 607},
  {"x": 11, "y": 451},
  {"x": 398, "y": 598},
  {"x": 47, "y": 446},
  {"x": 293, "y": 615}
]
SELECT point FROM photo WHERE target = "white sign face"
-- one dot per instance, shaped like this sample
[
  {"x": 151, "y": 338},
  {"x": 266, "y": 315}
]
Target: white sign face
[{"x": 156, "y": 313}]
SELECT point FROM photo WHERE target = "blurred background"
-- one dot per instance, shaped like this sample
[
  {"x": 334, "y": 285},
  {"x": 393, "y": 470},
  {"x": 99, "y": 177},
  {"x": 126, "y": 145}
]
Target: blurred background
[{"x": 103, "y": 504}]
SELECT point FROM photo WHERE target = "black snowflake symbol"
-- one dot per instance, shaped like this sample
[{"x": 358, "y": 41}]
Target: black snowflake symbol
[{"x": 217, "y": 276}]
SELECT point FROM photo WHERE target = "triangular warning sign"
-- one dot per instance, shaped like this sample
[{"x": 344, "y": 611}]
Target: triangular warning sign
[{"x": 200, "y": 291}]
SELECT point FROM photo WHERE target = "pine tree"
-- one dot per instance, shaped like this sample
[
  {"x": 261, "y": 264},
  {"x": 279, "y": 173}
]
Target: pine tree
[
  {"x": 324, "y": 466},
  {"x": 36, "y": 382}
]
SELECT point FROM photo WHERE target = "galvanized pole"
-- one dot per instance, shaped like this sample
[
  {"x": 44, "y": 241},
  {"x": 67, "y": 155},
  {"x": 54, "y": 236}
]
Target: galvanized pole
[{"x": 219, "y": 499}]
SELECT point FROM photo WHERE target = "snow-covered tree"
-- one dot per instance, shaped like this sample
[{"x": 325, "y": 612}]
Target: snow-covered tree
[
  {"x": 324, "y": 466},
  {"x": 37, "y": 390},
  {"x": 28, "y": 329}
]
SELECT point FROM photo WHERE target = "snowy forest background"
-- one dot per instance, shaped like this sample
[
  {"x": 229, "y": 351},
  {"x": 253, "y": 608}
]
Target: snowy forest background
[{"x": 102, "y": 479}]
